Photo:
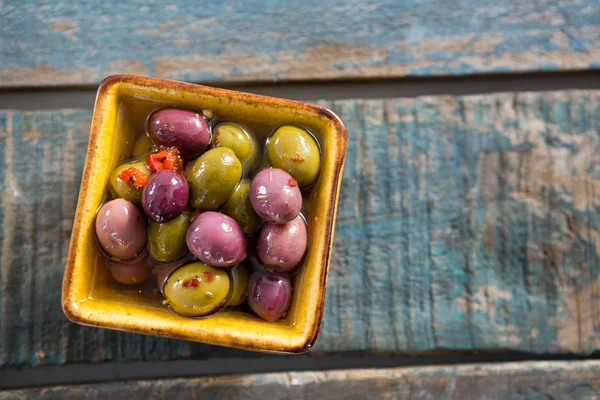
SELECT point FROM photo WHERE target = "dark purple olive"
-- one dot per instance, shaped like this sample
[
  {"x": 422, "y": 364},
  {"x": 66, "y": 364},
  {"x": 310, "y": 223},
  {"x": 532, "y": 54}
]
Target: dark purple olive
[
  {"x": 121, "y": 229},
  {"x": 130, "y": 272},
  {"x": 281, "y": 247},
  {"x": 269, "y": 295},
  {"x": 216, "y": 239},
  {"x": 186, "y": 130},
  {"x": 275, "y": 196},
  {"x": 165, "y": 196}
]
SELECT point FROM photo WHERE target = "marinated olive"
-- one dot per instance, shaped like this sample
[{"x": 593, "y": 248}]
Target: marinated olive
[
  {"x": 121, "y": 229},
  {"x": 213, "y": 178},
  {"x": 281, "y": 247},
  {"x": 239, "y": 292},
  {"x": 165, "y": 196},
  {"x": 296, "y": 151},
  {"x": 128, "y": 180},
  {"x": 275, "y": 196},
  {"x": 216, "y": 239},
  {"x": 130, "y": 272},
  {"x": 196, "y": 289},
  {"x": 240, "y": 208},
  {"x": 269, "y": 295},
  {"x": 240, "y": 140},
  {"x": 186, "y": 130},
  {"x": 142, "y": 146},
  {"x": 166, "y": 241}
]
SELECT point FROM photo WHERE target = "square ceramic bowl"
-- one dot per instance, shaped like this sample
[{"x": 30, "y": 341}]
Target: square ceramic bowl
[{"x": 90, "y": 297}]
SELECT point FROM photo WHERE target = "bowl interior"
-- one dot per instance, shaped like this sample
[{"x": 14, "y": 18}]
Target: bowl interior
[{"x": 120, "y": 117}]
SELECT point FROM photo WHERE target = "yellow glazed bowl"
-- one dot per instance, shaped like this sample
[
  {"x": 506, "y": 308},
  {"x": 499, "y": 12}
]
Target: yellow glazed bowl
[{"x": 90, "y": 297}]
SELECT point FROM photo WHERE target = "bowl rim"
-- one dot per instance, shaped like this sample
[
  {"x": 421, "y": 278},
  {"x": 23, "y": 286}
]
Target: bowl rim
[{"x": 75, "y": 312}]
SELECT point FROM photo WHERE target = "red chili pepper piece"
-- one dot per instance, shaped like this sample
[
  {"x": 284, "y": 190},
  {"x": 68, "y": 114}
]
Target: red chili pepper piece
[
  {"x": 134, "y": 178},
  {"x": 156, "y": 161},
  {"x": 165, "y": 159},
  {"x": 209, "y": 276},
  {"x": 297, "y": 158},
  {"x": 292, "y": 182},
  {"x": 191, "y": 283}
]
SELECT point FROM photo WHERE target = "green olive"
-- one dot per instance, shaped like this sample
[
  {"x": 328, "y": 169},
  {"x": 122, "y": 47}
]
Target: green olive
[
  {"x": 166, "y": 241},
  {"x": 240, "y": 140},
  {"x": 295, "y": 151},
  {"x": 213, "y": 178},
  {"x": 196, "y": 289},
  {"x": 240, "y": 208},
  {"x": 239, "y": 291},
  {"x": 120, "y": 189},
  {"x": 142, "y": 146}
]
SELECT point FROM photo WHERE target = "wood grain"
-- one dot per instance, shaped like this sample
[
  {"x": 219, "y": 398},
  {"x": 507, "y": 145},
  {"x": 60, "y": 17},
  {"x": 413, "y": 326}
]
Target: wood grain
[
  {"x": 516, "y": 381},
  {"x": 466, "y": 223},
  {"x": 48, "y": 43}
]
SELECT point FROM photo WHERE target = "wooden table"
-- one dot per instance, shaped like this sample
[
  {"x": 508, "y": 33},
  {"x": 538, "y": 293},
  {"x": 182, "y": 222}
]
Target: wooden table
[{"x": 467, "y": 241}]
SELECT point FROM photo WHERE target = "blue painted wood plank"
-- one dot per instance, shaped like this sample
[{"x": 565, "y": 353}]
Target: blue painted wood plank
[
  {"x": 579, "y": 380},
  {"x": 464, "y": 223},
  {"x": 77, "y": 42},
  {"x": 474, "y": 219}
]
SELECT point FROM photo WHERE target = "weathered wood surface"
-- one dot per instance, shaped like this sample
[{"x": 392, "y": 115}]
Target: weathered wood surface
[
  {"x": 512, "y": 381},
  {"x": 77, "y": 42},
  {"x": 464, "y": 224}
]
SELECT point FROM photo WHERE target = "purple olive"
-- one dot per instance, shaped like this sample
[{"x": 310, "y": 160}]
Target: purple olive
[
  {"x": 269, "y": 295},
  {"x": 186, "y": 130},
  {"x": 281, "y": 247},
  {"x": 121, "y": 229},
  {"x": 275, "y": 196},
  {"x": 216, "y": 239},
  {"x": 165, "y": 196},
  {"x": 130, "y": 272}
]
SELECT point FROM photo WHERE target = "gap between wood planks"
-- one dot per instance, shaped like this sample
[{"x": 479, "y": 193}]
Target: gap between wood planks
[
  {"x": 83, "y": 97},
  {"x": 110, "y": 372}
]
